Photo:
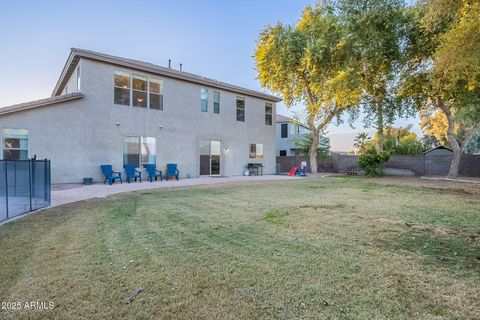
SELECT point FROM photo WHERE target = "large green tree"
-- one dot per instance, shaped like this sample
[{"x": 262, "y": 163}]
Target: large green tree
[
  {"x": 443, "y": 73},
  {"x": 397, "y": 141},
  {"x": 376, "y": 32},
  {"x": 310, "y": 64}
]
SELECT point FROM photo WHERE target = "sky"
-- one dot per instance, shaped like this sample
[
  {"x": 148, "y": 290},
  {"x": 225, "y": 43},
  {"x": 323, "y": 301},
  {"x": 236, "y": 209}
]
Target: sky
[{"x": 215, "y": 39}]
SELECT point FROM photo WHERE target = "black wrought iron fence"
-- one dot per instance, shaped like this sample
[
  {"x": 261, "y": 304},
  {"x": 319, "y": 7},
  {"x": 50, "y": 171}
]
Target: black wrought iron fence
[{"x": 25, "y": 185}]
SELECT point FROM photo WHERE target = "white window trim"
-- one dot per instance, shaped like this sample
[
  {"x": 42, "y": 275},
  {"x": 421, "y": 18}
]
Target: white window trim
[
  {"x": 149, "y": 79},
  {"x": 256, "y": 154},
  {"x": 219, "y": 98},
  {"x": 244, "y": 109},
  {"x": 28, "y": 141},
  {"x": 269, "y": 104},
  {"x": 201, "y": 99}
]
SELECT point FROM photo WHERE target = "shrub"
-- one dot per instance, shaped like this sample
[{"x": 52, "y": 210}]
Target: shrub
[{"x": 373, "y": 162}]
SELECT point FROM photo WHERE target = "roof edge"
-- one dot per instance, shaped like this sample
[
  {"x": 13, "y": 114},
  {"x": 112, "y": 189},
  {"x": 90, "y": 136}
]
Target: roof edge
[
  {"x": 290, "y": 120},
  {"x": 76, "y": 54},
  {"x": 40, "y": 103},
  {"x": 62, "y": 80}
]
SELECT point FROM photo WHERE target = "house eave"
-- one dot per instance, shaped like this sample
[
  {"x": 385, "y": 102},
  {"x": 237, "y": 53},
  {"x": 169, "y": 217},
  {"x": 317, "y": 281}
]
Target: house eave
[
  {"x": 76, "y": 54},
  {"x": 40, "y": 103}
]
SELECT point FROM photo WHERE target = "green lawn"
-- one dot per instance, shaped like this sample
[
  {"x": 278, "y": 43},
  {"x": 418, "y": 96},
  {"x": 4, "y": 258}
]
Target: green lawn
[{"x": 336, "y": 248}]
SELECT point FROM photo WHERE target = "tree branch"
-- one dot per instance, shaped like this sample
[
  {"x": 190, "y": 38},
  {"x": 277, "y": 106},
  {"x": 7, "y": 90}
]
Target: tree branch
[
  {"x": 451, "y": 124},
  {"x": 469, "y": 135}
]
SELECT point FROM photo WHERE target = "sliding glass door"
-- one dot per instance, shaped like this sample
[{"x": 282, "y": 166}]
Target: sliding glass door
[{"x": 209, "y": 157}]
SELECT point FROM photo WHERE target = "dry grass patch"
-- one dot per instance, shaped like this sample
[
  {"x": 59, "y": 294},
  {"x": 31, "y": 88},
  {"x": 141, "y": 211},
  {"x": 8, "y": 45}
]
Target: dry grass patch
[{"x": 337, "y": 248}]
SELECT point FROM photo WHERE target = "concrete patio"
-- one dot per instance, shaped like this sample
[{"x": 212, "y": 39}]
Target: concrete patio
[{"x": 60, "y": 197}]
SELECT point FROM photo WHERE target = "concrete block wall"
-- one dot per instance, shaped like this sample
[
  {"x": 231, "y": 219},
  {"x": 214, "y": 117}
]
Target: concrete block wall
[{"x": 427, "y": 165}]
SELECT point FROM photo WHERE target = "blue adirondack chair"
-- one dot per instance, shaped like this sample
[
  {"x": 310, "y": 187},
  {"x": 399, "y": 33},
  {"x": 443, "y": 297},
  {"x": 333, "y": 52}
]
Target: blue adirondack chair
[
  {"x": 132, "y": 173},
  {"x": 152, "y": 172},
  {"x": 110, "y": 175},
  {"x": 172, "y": 171}
]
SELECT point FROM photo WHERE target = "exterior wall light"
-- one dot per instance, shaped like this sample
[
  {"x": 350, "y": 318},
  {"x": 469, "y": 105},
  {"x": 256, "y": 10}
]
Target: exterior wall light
[
  {"x": 226, "y": 149},
  {"x": 118, "y": 123}
]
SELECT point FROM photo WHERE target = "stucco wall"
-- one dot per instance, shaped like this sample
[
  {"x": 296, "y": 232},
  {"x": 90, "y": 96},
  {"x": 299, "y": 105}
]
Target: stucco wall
[
  {"x": 81, "y": 135},
  {"x": 286, "y": 143}
]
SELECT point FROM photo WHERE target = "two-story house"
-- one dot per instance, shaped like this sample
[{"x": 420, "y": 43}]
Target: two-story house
[
  {"x": 289, "y": 130},
  {"x": 110, "y": 110}
]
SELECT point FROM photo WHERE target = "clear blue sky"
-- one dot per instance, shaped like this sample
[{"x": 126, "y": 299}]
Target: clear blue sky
[{"x": 212, "y": 38}]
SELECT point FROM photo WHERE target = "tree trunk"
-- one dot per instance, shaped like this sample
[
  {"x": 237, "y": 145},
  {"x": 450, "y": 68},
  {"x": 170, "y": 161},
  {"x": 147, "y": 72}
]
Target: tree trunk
[
  {"x": 313, "y": 151},
  {"x": 379, "y": 126},
  {"x": 457, "y": 149},
  {"x": 454, "y": 166}
]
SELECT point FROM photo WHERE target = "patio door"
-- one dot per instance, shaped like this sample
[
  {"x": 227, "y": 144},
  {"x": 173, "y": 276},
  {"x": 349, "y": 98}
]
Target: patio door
[{"x": 209, "y": 157}]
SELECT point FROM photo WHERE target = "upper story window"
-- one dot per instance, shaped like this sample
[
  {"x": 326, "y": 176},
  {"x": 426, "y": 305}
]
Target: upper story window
[
  {"x": 240, "y": 109},
  {"x": 122, "y": 88},
  {"x": 216, "y": 102},
  {"x": 156, "y": 94},
  {"x": 268, "y": 114},
  {"x": 256, "y": 151},
  {"x": 297, "y": 129},
  {"x": 15, "y": 144},
  {"x": 139, "y": 91},
  {"x": 204, "y": 100},
  {"x": 284, "y": 130}
]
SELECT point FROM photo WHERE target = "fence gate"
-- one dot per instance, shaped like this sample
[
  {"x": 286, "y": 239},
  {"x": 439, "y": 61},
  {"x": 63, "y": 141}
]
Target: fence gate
[{"x": 25, "y": 185}]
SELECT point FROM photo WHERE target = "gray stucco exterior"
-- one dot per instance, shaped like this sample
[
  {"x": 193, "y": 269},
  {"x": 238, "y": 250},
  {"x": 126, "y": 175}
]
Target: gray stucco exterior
[
  {"x": 80, "y": 135},
  {"x": 294, "y": 131}
]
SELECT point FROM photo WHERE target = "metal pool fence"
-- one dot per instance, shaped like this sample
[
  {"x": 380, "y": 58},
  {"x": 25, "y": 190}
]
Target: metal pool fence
[{"x": 25, "y": 185}]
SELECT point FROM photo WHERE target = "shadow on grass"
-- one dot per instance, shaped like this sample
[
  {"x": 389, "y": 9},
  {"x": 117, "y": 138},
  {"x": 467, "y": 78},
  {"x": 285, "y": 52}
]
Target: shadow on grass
[{"x": 455, "y": 251}]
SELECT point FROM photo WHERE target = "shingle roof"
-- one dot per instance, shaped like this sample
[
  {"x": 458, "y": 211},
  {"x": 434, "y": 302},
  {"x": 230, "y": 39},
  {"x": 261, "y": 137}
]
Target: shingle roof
[
  {"x": 76, "y": 54},
  {"x": 40, "y": 103}
]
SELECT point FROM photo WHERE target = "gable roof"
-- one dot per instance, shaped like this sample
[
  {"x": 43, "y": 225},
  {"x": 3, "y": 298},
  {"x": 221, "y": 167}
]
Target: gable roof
[
  {"x": 438, "y": 148},
  {"x": 76, "y": 54},
  {"x": 40, "y": 103}
]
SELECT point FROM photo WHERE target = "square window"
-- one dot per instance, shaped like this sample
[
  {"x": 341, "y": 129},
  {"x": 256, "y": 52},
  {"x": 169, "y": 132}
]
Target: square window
[
  {"x": 15, "y": 144},
  {"x": 256, "y": 151},
  {"x": 139, "y": 99},
  {"x": 156, "y": 101}
]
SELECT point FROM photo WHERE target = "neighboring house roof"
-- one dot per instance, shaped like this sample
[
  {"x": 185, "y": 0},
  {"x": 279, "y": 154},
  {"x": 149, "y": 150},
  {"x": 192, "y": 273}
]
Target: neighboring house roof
[
  {"x": 438, "y": 148},
  {"x": 40, "y": 103},
  {"x": 76, "y": 54},
  {"x": 281, "y": 118}
]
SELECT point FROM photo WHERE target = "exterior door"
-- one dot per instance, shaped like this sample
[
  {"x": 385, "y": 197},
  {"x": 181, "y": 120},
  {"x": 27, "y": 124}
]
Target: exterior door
[{"x": 209, "y": 157}]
